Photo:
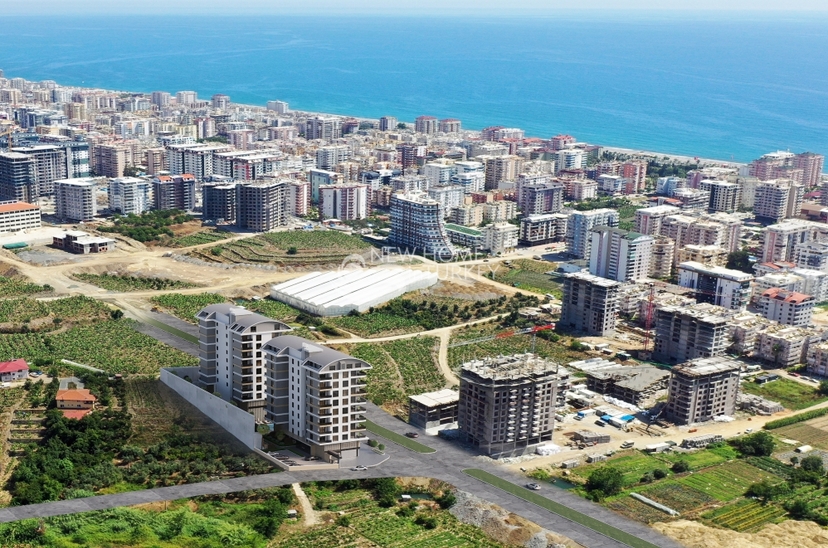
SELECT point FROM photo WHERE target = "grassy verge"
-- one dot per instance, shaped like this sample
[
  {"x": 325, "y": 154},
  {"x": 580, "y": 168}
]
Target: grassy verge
[
  {"x": 560, "y": 509},
  {"x": 408, "y": 443},
  {"x": 171, "y": 330},
  {"x": 792, "y": 394}
]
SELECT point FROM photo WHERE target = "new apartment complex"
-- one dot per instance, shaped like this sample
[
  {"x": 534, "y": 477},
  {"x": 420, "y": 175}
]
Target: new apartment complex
[
  {"x": 703, "y": 389},
  {"x": 417, "y": 224},
  {"x": 778, "y": 199},
  {"x": 129, "y": 195},
  {"x": 684, "y": 333},
  {"x": 787, "y": 307},
  {"x": 579, "y": 229},
  {"x": 507, "y": 404},
  {"x": 590, "y": 304},
  {"x": 261, "y": 205},
  {"x": 174, "y": 192},
  {"x": 75, "y": 199},
  {"x": 346, "y": 202},
  {"x": 620, "y": 255},
  {"x": 16, "y": 216},
  {"x": 716, "y": 285}
]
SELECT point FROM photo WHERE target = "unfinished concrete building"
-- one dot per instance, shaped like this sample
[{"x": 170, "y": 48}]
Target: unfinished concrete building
[
  {"x": 683, "y": 333},
  {"x": 590, "y": 304},
  {"x": 703, "y": 389},
  {"x": 631, "y": 384},
  {"x": 433, "y": 410},
  {"x": 507, "y": 404},
  {"x": 785, "y": 346}
]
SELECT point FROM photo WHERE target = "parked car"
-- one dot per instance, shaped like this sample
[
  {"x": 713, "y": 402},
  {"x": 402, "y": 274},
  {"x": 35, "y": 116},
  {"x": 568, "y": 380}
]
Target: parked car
[
  {"x": 599, "y": 422},
  {"x": 533, "y": 486},
  {"x": 412, "y": 434},
  {"x": 359, "y": 468}
]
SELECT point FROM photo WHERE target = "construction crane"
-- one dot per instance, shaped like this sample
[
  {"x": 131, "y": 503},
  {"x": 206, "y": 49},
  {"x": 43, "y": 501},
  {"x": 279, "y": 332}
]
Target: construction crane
[
  {"x": 648, "y": 318},
  {"x": 8, "y": 135},
  {"x": 529, "y": 330}
]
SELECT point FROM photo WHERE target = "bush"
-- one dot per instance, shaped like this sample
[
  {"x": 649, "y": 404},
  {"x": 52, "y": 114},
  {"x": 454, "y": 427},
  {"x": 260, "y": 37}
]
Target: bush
[
  {"x": 659, "y": 473},
  {"x": 605, "y": 481},
  {"x": 812, "y": 464},
  {"x": 801, "y": 417},
  {"x": 759, "y": 444},
  {"x": 381, "y": 447},
  {"x": 343, "y": 521},
  {"x": 426, "y": 521},
  {"x": 680, "y": 466},
  {"x": 767, "y": 491},
  {"x": 372, "y": 443},
  {"x": 447, "y": 500}
]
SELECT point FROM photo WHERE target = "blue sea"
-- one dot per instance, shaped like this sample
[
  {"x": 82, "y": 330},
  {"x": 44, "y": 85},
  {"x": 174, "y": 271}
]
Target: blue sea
[{"x": 721, "y": 86}]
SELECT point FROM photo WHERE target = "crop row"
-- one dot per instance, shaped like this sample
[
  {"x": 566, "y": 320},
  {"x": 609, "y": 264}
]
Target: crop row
[
  {"x": 187, "y": 306},
  {"x": 727, "y": 481},
  {"x": 16, "y": 287},
  {"x": 747, "y": 515}
]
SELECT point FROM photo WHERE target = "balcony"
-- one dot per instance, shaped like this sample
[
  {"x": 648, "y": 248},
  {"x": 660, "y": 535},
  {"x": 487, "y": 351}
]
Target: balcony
[{"x": 357, "y": 426}]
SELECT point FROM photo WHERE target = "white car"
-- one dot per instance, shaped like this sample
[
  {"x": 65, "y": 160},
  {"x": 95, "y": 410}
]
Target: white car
[
  {"x": 533, "y": 486},
  {"x": 359, "y": 468}
]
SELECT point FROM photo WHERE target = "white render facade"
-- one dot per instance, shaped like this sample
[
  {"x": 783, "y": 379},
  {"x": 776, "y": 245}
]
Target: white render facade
[
  {"x": 130, "y": 195},
  {"x": 620, "y": 255},
  {"x": 75, "y": 199},
  {"x": 580, "y": 225},
  {"x": 316, "y": 395},
  {"x": 716, "y": 285}
]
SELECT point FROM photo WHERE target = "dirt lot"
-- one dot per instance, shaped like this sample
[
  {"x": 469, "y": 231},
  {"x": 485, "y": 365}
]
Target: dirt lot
[{"x": 788, "y": 534}]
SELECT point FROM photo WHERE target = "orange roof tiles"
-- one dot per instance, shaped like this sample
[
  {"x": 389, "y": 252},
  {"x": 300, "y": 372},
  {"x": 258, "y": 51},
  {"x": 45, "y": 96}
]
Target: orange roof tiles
[
  {"x": 75, "y": 394},
  {"x": 17, "y": 206}
]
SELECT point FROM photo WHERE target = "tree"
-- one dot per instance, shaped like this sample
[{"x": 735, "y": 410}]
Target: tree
[
  {"x": 681, "y": 466},
  {"x": 132, "y": 171},
  {"x": 447, "y": 500},
  {"x": 659, "y": 473},
  {"x": 402, "y": 125},
  {"x": 343, "y": 521},
  {"x": 812, "y": 464},
  {"x": 292, "y": 250},
  {"x": 607, "y": 480},
  {"x": 117, "y": 314},
  {"x": 798, "y": 509},
  {"x": 767, "y": 491},
  {"x": 759, "y": 444},
  {"x": 823, "y": 388},
  {"x": 740, "y": 260}
]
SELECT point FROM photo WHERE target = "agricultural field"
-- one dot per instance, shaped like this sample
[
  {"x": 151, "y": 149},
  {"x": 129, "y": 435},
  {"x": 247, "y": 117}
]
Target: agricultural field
[
  {"x": 702, "y": 459},
  {"x": 634, "y": 464},
  {"x": 745, "y": 516},
  {"x": 726, "y": 482},
  {"x": 111, "y": 345},
  {"x": 124, "y": 283},
  {"x": 677, "y": 496},
  {"x": 273, "y": 309},
  {"x": 791, "y": 394},
  {"x": 557, "y": 349},
  {"x": 399, "y": 368},
  {"x": 529, "y": 275},
  {"x": 378, "y": 323},
  {"x": 36, "y": 314},
  {"x": 635, "y": 509},
  {"x": 198, "y": 238},
  {"x": 813, "y": 432},
  {"x": 294, "y": 248},
  {"x": 186, "y": 307},
  {"x": 17, "y": 286}
]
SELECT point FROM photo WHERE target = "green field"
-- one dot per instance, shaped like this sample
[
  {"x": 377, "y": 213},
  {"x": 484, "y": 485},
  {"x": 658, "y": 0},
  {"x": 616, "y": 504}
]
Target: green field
[
  {"x": 198, "y": 238},
  {"x": 50, "y": 315},
  {"x": 634, "y": 465},
  {"x": 791, "y": 394},
  {"x": 529, "y": 275},
  {"x": 186, "y": 307},
  {"x": 702, "y": 459},
  {"x": 16, "y": 286},
  {"x": 677, "y": 496},
  {"x": 558, "y": 351},
  {"x": 745, "y": 516},
  {"x": 726, "y": 482},
  {"x": 131, "y": 283},
  {"x": 560, "y": 509}
]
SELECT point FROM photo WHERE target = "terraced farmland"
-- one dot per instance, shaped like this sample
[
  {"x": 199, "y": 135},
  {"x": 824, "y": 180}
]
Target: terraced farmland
[
  {"x": 677, "y": 496},
  {"x": 726, "y": 482},
  {"x": 813, "y": 432},
  {"x": 746, "y": 516}
]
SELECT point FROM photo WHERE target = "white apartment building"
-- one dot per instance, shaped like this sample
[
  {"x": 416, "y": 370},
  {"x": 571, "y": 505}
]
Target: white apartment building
[
  {"x": 16, "y": 216},
  {"x": 417, "y": 224},
  {"x": 812, "y": 255},
  {"x": 724, "y": 196},
  {"x": 231, "y": 360},
  {"x": 280, "y": 107},
  {"x": 130, "y": 195},
  {"x": 778, "y": 199},
  {"x": 570, "y": 159},
  {"x": 783, "y": 280},
  {"x": 440, "y": 173},
  {"x": 814, "y": 282},
  {"x": 716, "y": 285},
  {"x": 328, "y": 157},
  {"x": 543, "y": 229},
  {"x": 583, "y": 190},
  {"x": 346, "y": 202},
  {"x": 449, "y": 196},
  {"x": 315, "y": 395},
  {"x": 471, "y": 181},
  {"x": 75, "y": 199},
  {"x": 787, "y": 307},
  {"x": 580, "y": 225},
  {"x": 196, "y": 160},
  {"x": 500, "y": 237},
  {"x": 620, "y": 255},
  {"x": 781, "y": 239},
  {"x": 298, "y": 195},
  {"x": 667, "y": 186}
]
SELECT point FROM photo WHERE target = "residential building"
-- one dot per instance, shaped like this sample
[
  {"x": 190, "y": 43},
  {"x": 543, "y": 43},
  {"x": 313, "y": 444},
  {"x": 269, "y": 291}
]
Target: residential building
[
  {"x": 507, "y": 404},
  {"x": 540, "y": 198},
  {"x": 684, "y": 333},
  {"x": 543, "y": 229},
  {"x": 471, "y": 181},
  {"x": 16, "y": 216},
  {"x": 467, "y": 215},
  {"x": 668, "y": 185},
  {"x": 465, "y": 236},
  {"x": 781, "y": 280},
  {"x": 321, "y": 177},
  {"x": 724, "y": 196},
  {"x": 155, "y": 161},
  {"x": 449, "y": 125},
  {"x": 193, "y": 159},
  {"x": 620, "y": 255},
  {"x": 129, "y": 195},
  {"x": 279, "y": 107},
  {"x": 75, "y": 403},
  {"x": 18, "y": 179},
  {"x": 186, "y": 98},
  {"x": 160, "y": 98},
  {"x": 710, "y": 255},
  {"x": 425, "y": 124},
  {"x": 298, "y": 197},
  {"x": 326, "y": 128},
  {"x": 702, "y": 390},
  {"x": 814, "y": 282},
  {"x": 315, "y": 395},
  {"x": 649, "y": 220},
  {"x": 14, "y": 370},
  {"x": 787, "y": 307},
  {"x": 50, "y": 162},
  {"x": 692, "y": 199},
  {"x": 785, "y": 346},
  {"x": 261, "y": 205},
  {"x": 499, "y": 210},
  {"x": 813, "y": 255},
  {"x": 716, "y": 285},
  {"x": 220, "y": 202},
  {"x": 500, "y": 237},
  {"x": 75, "y": 199},
  {"x": 417, "y": 224},
  {"x": 174, "y": 192},
  {"x": 388, "y": 123},
  {"x": 590, "y": 304},
  {"x": 634, "y": 385},
  {"x": 781, "y": 239},
  {"x": 449, "y": 196},
  {"x": 346, "y": 201},
  {"x": 583, "y": 190},
  {"x": 75, "y": 241},
  {"x": 439, "y": 173},
  {"x": 410, "y": 183},
  {"x": 231, "y": 359},
  {"x": 110, "y": 160},
  {"x": 580, "y": 225},
  {"x": 329, "y": 156},
  {"x": 500, "y": 169},
  {"x": 661, "y": 264},
  {"x": 778, "y": 199}
]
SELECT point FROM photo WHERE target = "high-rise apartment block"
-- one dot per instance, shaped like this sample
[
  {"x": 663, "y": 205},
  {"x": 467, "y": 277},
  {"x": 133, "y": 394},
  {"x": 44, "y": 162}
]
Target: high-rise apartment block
[
  {"x": 18, "y": 180},
  {"x": 716, "y": 285},
  {"x": 321, "y": 177},
  {"x": 702, "y": 390},
  {"x": 579, "y": 229},
  {"x": 388, "y": 123},
  {"x": 219, "y": 202},
  {"x": 316, "y": 395},
  {"x": 326, "y": 128},
  {"x": 684, "y": 333},
  {"x": 279, "y": 107},
  {"x": 298, "y": 197},
  {"x": 346, "y": 202},
  {"x": 590, "y": 304},
  {"x": 724, "y": 196},
  {"x": 186, "y": 98},
  {"x": 425, "y": 124},
  {"x": 805, "y": 168},
  {"x": 449, "y": 125},
  {"x": 507, "y": 404},
  {"x": 620, "y": 255},
  {"x": 417, "y": 224},
  {"x": 778, "y": 199},
  {"x": 130, "y": 195},
  {"x": 540, "y": 198},
  {"x": 231, "y": 360},
  {"x": 75, "y": 199},
  {"x": 174, "y": 192},
  {"x": 261, "y": 205},
  {"x": 196, "y": 160},
  {"x": 160, "y": 98},
  {"x": 543, "y": 229},
  {"x": 16, "y": 216},
  {"x": 328, "y": 157},
  {"x": 782, "y": 239}
]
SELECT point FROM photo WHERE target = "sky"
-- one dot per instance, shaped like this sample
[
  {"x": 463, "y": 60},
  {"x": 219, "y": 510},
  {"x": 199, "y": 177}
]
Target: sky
[{"x": 400, "y": 7}]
